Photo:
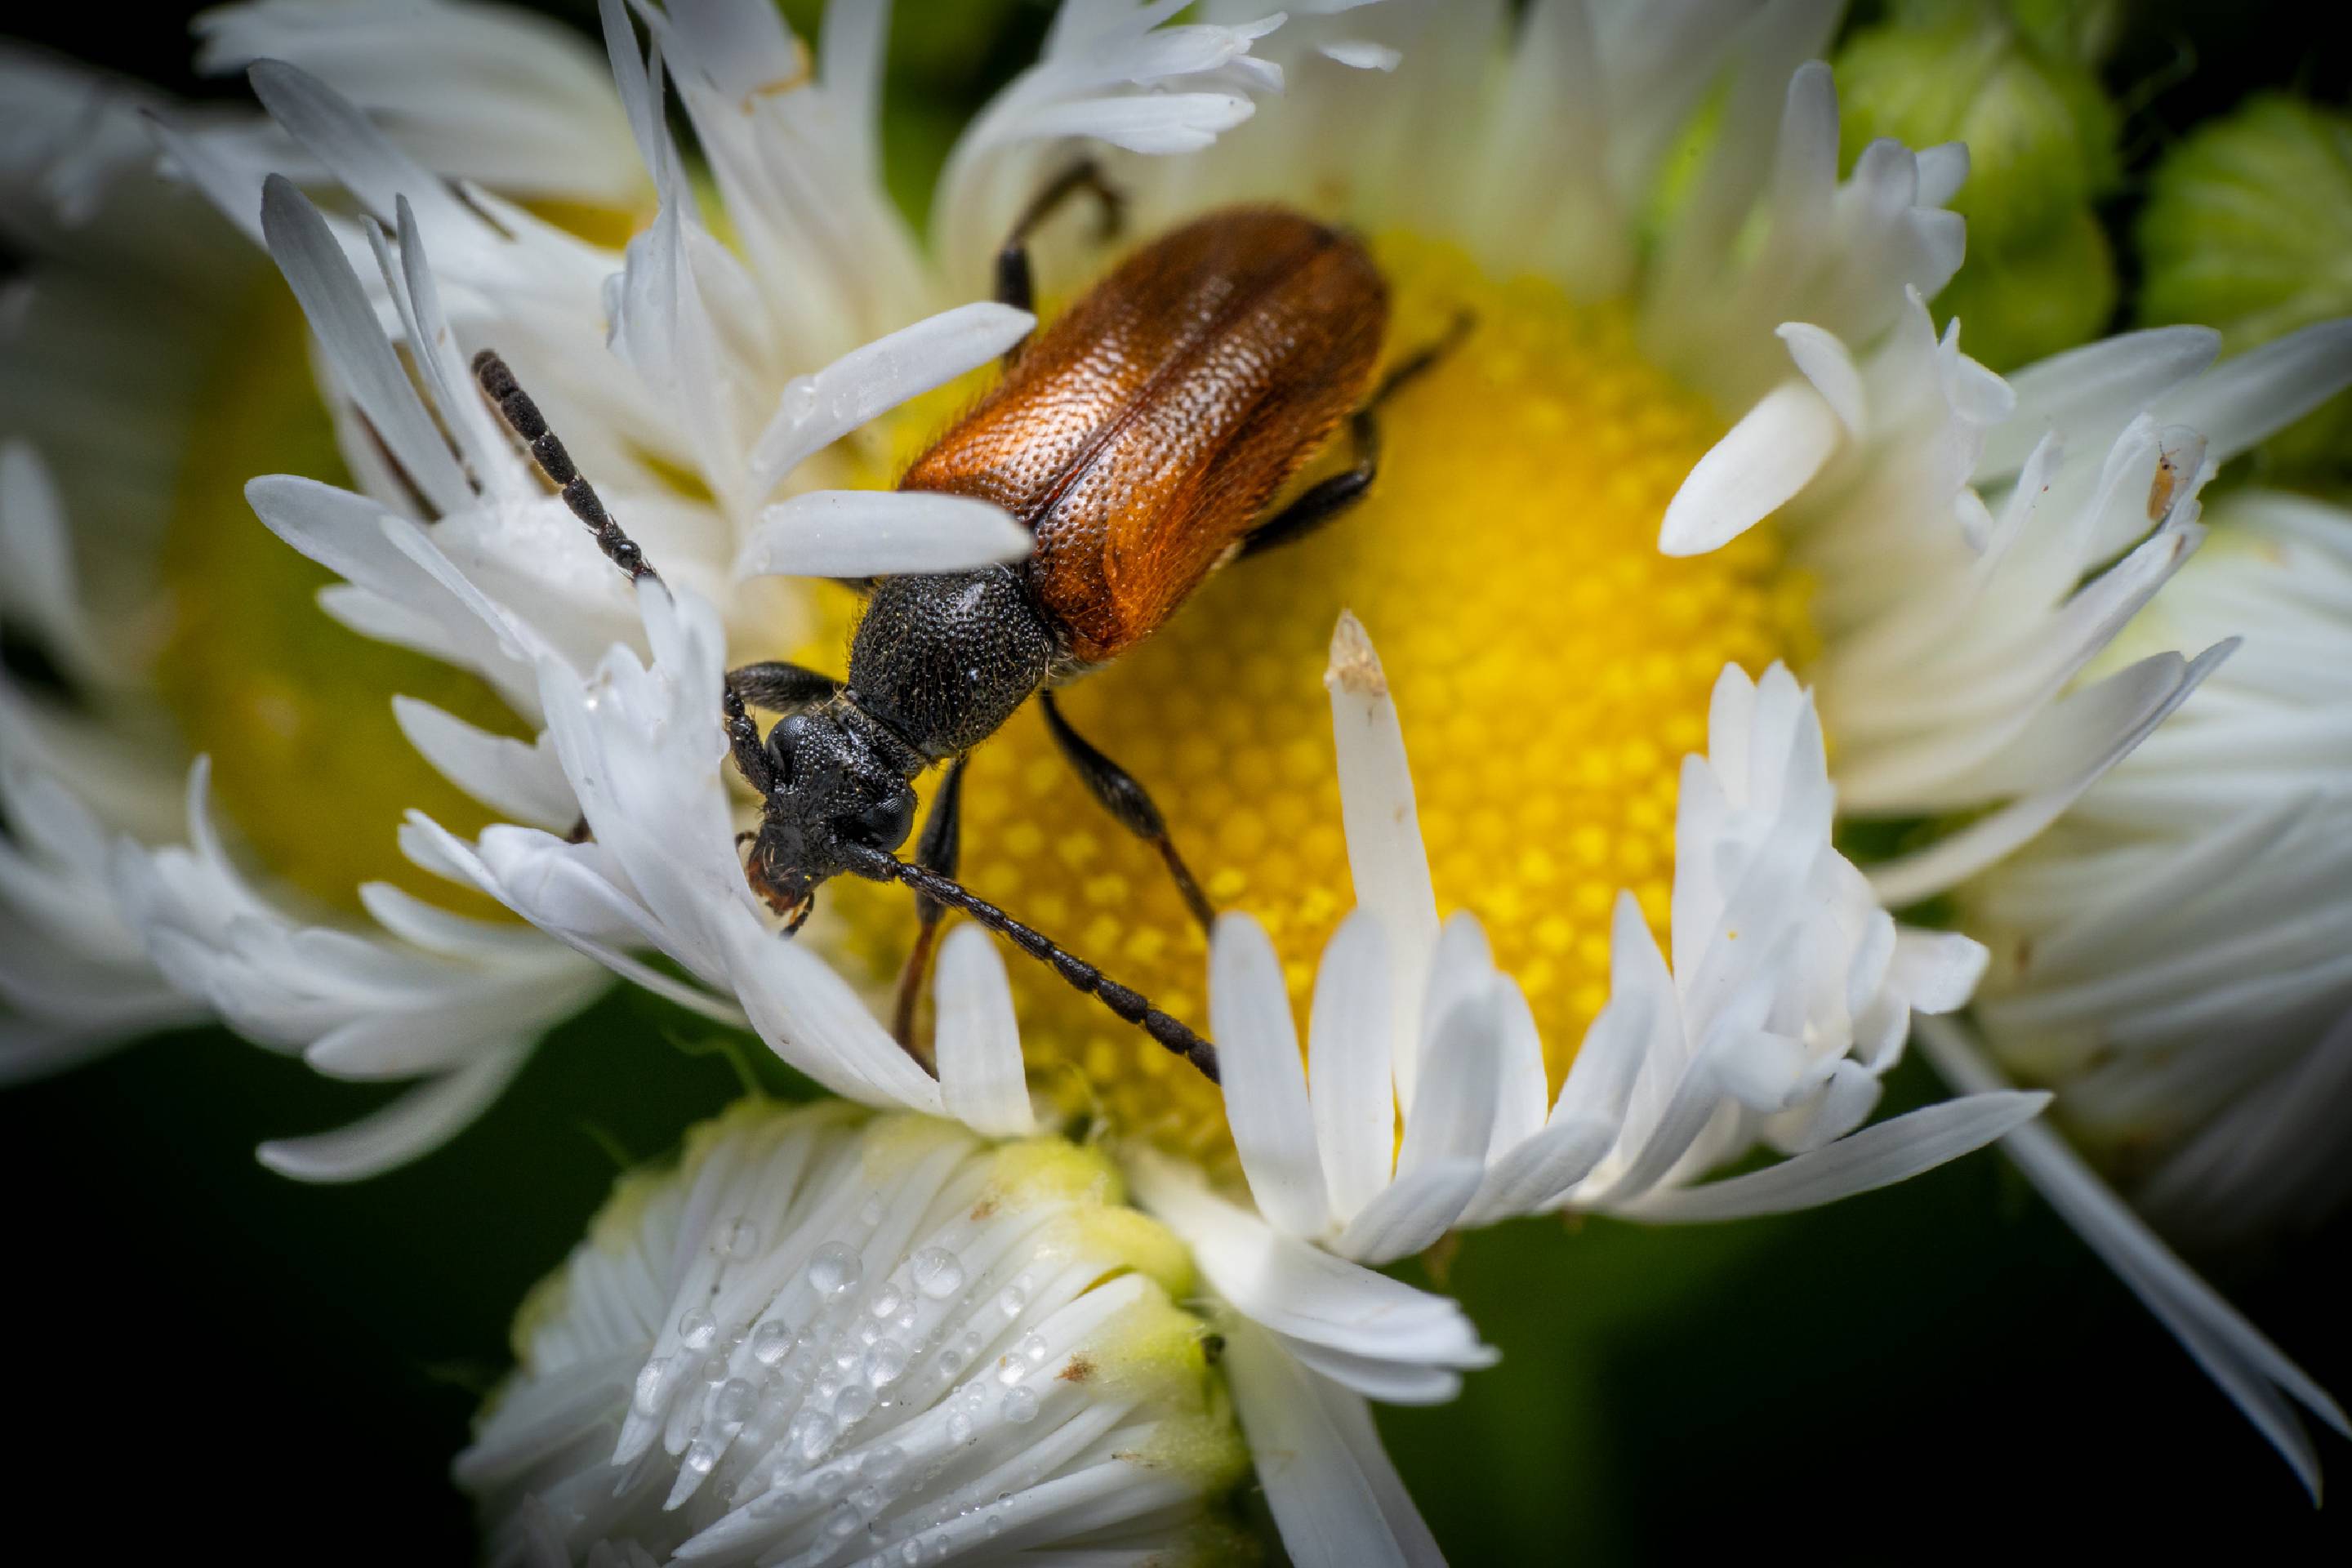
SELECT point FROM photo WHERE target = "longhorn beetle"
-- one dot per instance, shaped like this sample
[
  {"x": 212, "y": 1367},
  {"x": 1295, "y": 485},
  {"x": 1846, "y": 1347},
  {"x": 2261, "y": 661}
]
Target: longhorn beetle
[{"x": 1140, "y": 438}]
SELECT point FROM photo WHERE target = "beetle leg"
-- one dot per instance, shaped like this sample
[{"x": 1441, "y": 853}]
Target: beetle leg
[
  {"x": 939, "y": 848},
  {"x": 1125, "y": 799},
  {"x": 1326, "y": 499},
  {"x": 779, "y": 687},
  {"x": 744, "y": 740},
  {"x": 1016, "y": 285}
]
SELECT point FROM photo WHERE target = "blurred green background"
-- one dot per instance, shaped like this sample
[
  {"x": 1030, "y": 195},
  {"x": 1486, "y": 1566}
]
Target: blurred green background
[{"x": 208, "y": 1355}]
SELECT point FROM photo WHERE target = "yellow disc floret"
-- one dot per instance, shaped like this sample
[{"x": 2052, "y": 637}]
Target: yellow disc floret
[{"x": 1550, "y": 665}]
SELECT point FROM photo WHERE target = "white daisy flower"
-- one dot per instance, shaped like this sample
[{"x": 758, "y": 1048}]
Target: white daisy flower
[
  {"x": 1790, "y": 994},
  {"x": 1641, "y": 210},
  {"x": 829, "y": 1338},
  {"x": 2172, "y": 951},
  {"x": 2170, "y": 955},
  {"x": 115, "y": 335}
]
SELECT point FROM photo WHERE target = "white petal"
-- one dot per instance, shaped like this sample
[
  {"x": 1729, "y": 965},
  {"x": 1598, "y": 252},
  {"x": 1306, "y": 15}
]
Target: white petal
[
  {"x": 1348, "y": 1041},
  {"x": 339, "y": 313},
  {"x": 1335, "y": 1497},
  {"x": 877, "y": 533},
  {"x": 979, "y": 1043},
  {"x": 2233, "y": 1352},
  {"x": 2096, "y": 387},
  {"x": 1413, "y": 1213},
  {"x": 1534, "y": 1172},
  {"x": 2247, "y": 399},
  {"x": 1937, "y": 970},
  {"x": 1825, "y": 362},
  {"x": 1877, "y": 1156},
  {"x": 1908, "y": 878},
  {"x": 522, "y": 780},
  {"x": 1264, "y": 1080},
  {"x": 412, "y": 1126},
  {"x": 1385, "y": 857},
  {"x": 817, "y": 410},
  {"x": 1765, "y": 459}
]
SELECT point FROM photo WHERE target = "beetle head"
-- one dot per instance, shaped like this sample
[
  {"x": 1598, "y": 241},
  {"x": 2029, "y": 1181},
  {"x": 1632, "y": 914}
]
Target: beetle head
[{"x": 831, "y": 795}]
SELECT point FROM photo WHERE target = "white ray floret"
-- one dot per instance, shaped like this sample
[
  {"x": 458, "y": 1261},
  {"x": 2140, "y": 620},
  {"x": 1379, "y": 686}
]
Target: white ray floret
[
  {"x": 2174, "y": 953},
  {"x": 830, "y": 1339},
  {"x": 490, "y": 93},
  {"x": 637, "y": 748},
  {"x": 1975, "y": 560},
  {"x": 1790, "y": 994},
  {"x": 2259, "y": 1377}
]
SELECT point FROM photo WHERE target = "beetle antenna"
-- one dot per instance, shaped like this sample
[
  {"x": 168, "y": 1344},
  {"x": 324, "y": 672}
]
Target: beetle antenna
[
  {"x": 523, "y": 417},
  {"x": 1130, "y": 1006}
]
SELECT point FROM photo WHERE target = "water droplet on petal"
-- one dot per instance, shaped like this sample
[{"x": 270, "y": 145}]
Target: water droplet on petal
[
  {"x": 834, "y": 1269},
  {"x": 771, "y": 1343},
  {"x": 739, "y": 1241},
  {"x": 1020, "y": 1406},
  {"x": 735, "y": 1402},
  {"x": 649, "y": 1400},
  {"x": 697, "y": 1330},
  {"x": 936, "y": 1272}
]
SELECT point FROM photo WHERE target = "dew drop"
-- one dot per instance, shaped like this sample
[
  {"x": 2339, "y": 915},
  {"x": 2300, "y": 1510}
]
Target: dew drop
[
  {"x": 700, "y": 1456},
  {"x": 811, "y": 1435},
  {"x": 1020, "y": 1406},
  {"x": 834, "y": 1269},
  {"x": 854, "y": 1404},
  {"x": 1031, "y": 1347},
  {"x": 936, "y": 1272},
  {"x": 885, "y": 1363},
  {"x": 649, "y": 1400},
  {"x": 886, "y": 1463},
  {"x": 771, "y": 1343},
  {"x": 958, "y": 1427},
  {"x": 889, "y": 1301},
  {"x": 842, "y": 1523},
  {"x": 698, "y": 1330},
  {"x": 735, "y": 1402},
  {"x": 872, "y": 1212},
  {"x": 1010, "y": 1371},
  {"x": 739, "y": 1241},
  {"x": 951, "y": 1362},
  {"x": 1014, "y": 1300}
]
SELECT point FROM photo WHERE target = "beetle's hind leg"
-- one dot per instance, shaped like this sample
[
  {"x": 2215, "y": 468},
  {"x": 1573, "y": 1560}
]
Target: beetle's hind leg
[
  {"x": 1015, "y": 283},
  {"x": 1326, "y": 499},
  {"x": 938, "y": 849},
  {"x": 1126, "y": 799}
]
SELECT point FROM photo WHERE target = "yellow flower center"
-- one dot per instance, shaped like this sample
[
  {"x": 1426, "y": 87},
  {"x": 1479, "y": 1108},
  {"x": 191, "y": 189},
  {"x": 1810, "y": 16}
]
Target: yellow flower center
[{"x": 1550, "y": 665}]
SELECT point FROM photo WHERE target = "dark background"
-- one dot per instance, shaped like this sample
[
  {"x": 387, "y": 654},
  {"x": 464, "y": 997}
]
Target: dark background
[{"x": 206, "y": 1356}]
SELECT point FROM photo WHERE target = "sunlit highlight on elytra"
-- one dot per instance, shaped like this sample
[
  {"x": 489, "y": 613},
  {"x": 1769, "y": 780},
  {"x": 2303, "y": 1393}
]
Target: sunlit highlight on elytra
[{"x": 1550, "y": 665}]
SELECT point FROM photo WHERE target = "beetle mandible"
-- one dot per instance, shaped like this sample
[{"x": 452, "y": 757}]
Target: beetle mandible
[{"x": 1141, "y": 438}]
